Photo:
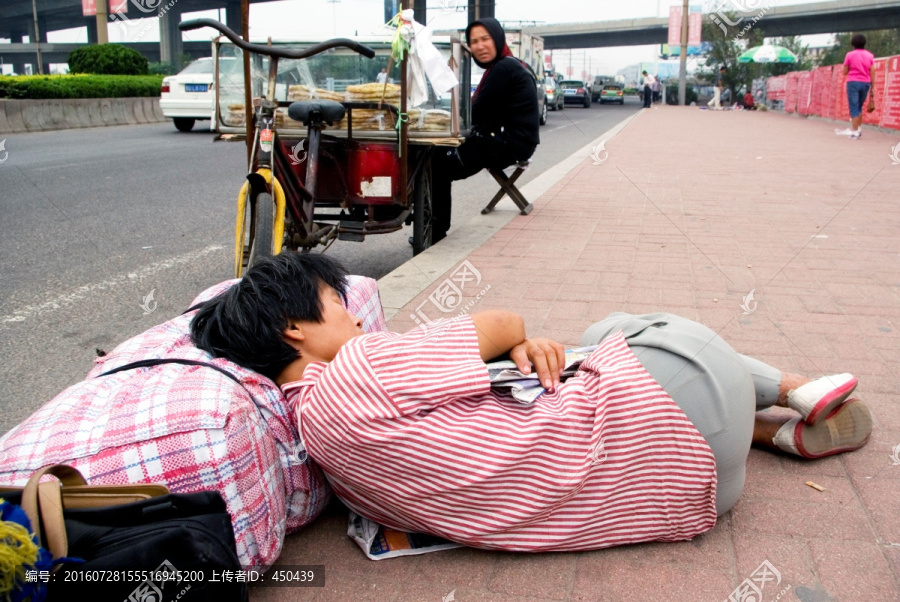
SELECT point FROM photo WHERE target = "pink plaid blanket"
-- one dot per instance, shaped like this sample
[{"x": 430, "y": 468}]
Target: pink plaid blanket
[{"x": 188, "y": 427}]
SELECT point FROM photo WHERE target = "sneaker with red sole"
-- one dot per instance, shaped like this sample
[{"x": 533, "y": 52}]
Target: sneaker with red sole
[
  {"x": 846, "y": 428},
  {"x": 818, "y": 397}
]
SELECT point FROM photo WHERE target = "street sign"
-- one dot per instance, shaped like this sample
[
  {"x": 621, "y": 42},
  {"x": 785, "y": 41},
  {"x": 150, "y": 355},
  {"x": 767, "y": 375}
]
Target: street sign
[
  {"x": 89, "y": 7},
  {"x": 674, "y": 26},
  {"x": 695, "y": 26}
]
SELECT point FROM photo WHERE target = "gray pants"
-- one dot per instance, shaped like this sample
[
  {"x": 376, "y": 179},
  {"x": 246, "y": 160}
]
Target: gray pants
[{"x": 717, "y": 388}]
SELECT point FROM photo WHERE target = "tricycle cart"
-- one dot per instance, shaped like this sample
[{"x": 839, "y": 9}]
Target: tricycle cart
[{"x": 334, "y": 152}]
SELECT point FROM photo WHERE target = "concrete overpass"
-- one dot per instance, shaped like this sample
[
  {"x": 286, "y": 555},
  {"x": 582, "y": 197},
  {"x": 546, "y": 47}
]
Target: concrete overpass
[
  {"x": 17, "y": 21},
  {"x": 53, "y": 15},
  {"x": 780, "y": 20}
]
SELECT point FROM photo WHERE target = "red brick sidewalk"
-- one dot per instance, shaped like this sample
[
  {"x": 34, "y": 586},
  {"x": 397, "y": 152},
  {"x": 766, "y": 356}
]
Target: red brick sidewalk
[{"x": 689, "y": 212}]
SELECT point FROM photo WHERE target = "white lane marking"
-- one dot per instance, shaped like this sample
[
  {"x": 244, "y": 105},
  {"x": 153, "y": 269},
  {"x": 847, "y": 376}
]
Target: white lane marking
[
  {"x": 73, "y": 296},
  {"x": 559, "y": 127}
]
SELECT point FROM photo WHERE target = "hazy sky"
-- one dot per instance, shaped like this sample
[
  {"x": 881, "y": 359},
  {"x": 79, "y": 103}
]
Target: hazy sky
[{"x": 297, "y": 19}]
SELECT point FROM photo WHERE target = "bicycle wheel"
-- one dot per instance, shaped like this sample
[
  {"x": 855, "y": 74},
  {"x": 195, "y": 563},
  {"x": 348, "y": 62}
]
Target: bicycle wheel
[
  {"x": 245, "y": 226},
  {"x": 261, "y": 229},
  {"x": 423, "y": 223}
]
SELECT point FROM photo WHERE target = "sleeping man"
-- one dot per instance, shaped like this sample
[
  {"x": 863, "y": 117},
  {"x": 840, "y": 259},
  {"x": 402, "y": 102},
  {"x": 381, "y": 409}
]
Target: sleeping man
[{"x": 647, "y": 442}]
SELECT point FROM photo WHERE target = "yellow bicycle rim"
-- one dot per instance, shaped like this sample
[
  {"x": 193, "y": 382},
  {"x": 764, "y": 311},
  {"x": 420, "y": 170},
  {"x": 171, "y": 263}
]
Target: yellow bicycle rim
[{"x": 278, "y": 226}]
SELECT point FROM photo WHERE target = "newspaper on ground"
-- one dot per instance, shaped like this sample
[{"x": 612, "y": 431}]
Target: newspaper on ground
[
  {"x": 507, "y": 379},
  {"x": 379, "y": 542}
]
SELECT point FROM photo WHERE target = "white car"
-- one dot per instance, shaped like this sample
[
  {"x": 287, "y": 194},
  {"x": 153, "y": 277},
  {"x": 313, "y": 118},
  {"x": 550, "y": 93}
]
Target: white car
[{"x": 190, "y": 95}]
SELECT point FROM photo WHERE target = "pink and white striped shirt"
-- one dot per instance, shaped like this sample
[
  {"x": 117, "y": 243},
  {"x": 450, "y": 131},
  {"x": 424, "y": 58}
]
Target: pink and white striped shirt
[{"x": 410, "y": 435}]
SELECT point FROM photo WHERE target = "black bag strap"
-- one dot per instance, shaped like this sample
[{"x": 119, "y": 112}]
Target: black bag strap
[
  {"x": 173, "y": 360},
  {"x": 187, "y": 362}
]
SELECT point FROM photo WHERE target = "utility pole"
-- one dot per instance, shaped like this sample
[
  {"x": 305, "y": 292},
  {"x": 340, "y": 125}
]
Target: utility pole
[
  {"x": 102, "y": 18},
  {"x": 656, "y": 75},
  {"x": 682, "y": 70},
  {"x": 37, "y": 38},
  {"x": 333, "y": 4}
]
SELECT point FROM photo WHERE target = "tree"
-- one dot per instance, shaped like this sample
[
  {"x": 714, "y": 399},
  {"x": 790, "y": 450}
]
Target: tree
[
  {"x": 880, "y": 42},
  {"x": 107, "y": 59},
  {"x": 723, "y": 49},
  {"x": 804, "y": 61},
  {"x": 726, "y": 44}
]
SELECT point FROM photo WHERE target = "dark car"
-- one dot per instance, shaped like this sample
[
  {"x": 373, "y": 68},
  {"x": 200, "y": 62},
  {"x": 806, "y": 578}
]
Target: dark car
[
  {"x": 575, "y": 92},
  {"x": 554, "y": 94},
  {"x": 612, "y": 93}
]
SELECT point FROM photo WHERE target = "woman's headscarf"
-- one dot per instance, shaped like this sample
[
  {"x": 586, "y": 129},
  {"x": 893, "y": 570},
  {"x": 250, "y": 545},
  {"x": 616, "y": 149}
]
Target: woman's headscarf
[{"x": 496, "y": 32}]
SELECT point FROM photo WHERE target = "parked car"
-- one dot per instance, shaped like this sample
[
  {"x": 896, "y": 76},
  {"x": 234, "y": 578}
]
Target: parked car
[
  {"x": 554, "y": 94},
  {"x": 541, "y": 93},
  {"x": 612, "y": 93},
  {"x": 575, "y": 92},
  {"x": 190, "y": 95}
]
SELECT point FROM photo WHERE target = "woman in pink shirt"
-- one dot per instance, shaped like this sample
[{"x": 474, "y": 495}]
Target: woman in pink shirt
[{"x": 859, "y": 67}]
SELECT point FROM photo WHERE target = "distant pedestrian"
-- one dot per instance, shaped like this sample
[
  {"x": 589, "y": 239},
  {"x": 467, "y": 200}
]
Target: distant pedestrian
[
  {"x": 859, "y": 67},
  {"x": 649, "y": 80},
  {"x": 716, "y": 102},
  {"x": 654, "y": 87},
  {"x": 382, "y": 77}
]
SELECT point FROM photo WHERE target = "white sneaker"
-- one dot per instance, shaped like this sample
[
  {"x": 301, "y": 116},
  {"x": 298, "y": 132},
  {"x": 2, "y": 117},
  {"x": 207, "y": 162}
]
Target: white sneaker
[
  {"x": 846, "y": 428},
  {"x": 844, "y": 132},
  {"x": 818, "y": 397},
  {"x": 855, "y": 134}
]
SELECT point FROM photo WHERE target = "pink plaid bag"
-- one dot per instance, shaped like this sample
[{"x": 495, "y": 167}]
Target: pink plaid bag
[{"x": 189, "y": 427}]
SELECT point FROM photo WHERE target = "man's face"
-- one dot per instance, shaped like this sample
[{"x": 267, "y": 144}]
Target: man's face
[
  {"x": 324, "y": 339},
  {"x": 482, "y": 44}
]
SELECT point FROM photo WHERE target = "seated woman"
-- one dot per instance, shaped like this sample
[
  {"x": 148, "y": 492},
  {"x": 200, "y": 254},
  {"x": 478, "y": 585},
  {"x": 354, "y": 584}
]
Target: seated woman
[
  {"x": 749, "y": 102},
  {"x": 505, "y": 120},
  {"x": 647, "y": 442}
]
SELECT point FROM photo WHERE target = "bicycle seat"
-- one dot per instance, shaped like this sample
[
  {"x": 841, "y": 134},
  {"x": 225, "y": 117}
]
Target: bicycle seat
[{"x": 327, "y": 111}]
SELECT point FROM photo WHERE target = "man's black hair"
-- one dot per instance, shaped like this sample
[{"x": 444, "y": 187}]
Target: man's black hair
[
  {"x": 858, "y": 41},
  {"x": 723, "y": 68},
  {"x": 245, "y": 324}
]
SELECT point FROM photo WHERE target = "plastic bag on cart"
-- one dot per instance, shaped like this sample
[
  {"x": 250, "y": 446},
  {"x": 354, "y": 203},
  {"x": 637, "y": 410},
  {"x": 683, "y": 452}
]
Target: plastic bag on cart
[{"x": 424, "y": 61}]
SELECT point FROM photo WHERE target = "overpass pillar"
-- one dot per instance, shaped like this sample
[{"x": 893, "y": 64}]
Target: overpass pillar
[
  {"x": 19, "y": 61},
  {"x": 170, "y": 45},
  {"x": 420, "y": 11},
  {"x": 479, "y": 9},
  {"x": 233, "y": 16},
  {"x": 91, "y": 25}
]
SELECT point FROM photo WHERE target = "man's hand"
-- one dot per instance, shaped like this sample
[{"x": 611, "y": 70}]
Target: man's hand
[{"x": 548, "y": 357}]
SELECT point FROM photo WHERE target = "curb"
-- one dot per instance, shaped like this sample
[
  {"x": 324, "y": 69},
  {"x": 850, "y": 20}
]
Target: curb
[
  {"x": 408, "y": 280},
  {"x": 25, "y": 116}
]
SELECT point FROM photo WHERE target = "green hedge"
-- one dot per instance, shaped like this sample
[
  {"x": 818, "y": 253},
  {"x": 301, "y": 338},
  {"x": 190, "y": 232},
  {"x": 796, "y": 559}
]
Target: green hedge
[
  {"x": 79, "y": 86},
  {"x": 107, "y": 59}
]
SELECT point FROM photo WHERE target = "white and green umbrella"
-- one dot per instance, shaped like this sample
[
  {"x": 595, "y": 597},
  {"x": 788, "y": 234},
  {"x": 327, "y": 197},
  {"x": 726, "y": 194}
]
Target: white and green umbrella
[{"x": 768, "y": 54}]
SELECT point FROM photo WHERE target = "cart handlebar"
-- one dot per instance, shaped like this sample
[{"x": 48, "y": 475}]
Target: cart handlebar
[{"x": 273, "y": 51}]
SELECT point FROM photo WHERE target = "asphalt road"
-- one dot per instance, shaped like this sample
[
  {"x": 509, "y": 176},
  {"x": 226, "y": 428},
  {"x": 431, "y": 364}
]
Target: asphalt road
[{"x": 92, "y": 221}]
